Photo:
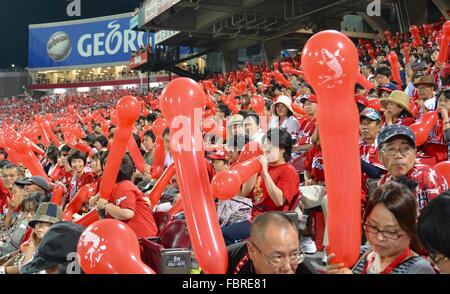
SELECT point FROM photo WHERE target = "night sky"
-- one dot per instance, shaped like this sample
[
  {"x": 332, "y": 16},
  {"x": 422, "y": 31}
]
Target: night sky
[{"x": 16, "y": 15}]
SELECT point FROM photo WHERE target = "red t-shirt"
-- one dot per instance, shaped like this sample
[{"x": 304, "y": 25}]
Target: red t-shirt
[
  {"x": 4, "y": 197},
  {"x": 126, "y": 195},
  {"x": 286, "y": 178},
  {"x": 313, "y": 163}
]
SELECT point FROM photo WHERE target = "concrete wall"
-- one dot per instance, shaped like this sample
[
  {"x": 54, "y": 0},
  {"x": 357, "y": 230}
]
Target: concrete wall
[{"x": 11, "y": 83}]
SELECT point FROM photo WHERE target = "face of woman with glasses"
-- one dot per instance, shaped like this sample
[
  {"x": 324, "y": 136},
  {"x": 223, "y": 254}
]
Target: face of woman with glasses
[
  {"x": 384, "y": 233},
  {"x": 277, "y": 253}
]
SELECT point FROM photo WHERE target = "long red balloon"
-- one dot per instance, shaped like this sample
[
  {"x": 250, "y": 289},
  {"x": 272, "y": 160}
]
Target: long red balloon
[
  {"x": 89, "y": 218},
  {"x": 75, "y": 204},
  {"x": 156, "y": 193},
  {"x": 136, "y": 154},
  {"x": 128, "y": 110},
  {"x": 23, "y": 147},
  {"x": 178, "y": 103},
  {"x": 393, "y": 59},
  {"x": 443, "y": 46},
  {"x": 57, "y": 195},
  {"x": 330, "y": 63},
  {"x": 227, "y": 184}
]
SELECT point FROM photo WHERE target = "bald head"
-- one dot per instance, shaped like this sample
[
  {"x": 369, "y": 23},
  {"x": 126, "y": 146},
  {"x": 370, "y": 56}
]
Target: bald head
[{"x": 268, "y": 222}]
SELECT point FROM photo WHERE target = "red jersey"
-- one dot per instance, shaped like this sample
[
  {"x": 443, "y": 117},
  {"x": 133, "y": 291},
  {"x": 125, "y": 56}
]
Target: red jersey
[
  {"x": 430, "y": 183},
  {"x": 307, "y": 128},
  {"x": 435, "y": 147},
  {"x": 285, "y": 178},
  {"x": 369, "y": 154},
  {"x": 313, "y": 164},
  {"x": 126, "y": 195}
]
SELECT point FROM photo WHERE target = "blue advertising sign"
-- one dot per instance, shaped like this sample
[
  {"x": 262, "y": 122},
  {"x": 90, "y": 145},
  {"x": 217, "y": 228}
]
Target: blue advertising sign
[{"x": 88, "y": 42}]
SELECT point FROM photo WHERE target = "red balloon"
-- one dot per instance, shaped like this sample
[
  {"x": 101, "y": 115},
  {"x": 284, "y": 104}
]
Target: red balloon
[
  {"x": 443, "y": 168},
  {"x": 23, "y": 147},
  {"x": 45, "y": 140},
  {"x": 89, "y": 218},
  {"x": 250, "y": 150},
  {"x": 257, "y": 103},
  {"x": 159, "y": 126},
  {"x": 85, "y": 192},
  {"x": 136, "y": 154},
  {"x": 128, "y": 110},
  {"x": 393, "y": 59},
  {"x": 57, "y": 195},
  {"x": 227, "y": 184},
  {"x": 374, "y": 103},
  {"x": 365, "y": 83},
  {"x": 443, "y": 45},
  {"x": 109, "y": 246},
  {"x": 406, "y": 52},
  {"x": 330, "y": 63},
  {"x": 281, "y": 80},
  {"x": 179, "y": 101},
  {"x": 423, "y": 126},
  {"x": 297, "y": 109},
  {"x": 84, "y": 148},
  {"x": 176, "y": 208},
  {"x": 158, "y": 189}
]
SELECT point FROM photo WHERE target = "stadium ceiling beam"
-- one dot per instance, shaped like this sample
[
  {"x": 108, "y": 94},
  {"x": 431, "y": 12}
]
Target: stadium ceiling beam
[
  {"x": 443, "y": 7},
  {"x": 216, "y": 11}
]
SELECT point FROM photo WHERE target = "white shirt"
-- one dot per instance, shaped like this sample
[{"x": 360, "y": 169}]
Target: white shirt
[{"x": 290, "y": 124}]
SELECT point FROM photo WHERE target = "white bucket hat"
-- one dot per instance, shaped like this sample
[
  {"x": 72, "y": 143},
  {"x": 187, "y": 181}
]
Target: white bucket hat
[{"x": 285, "y": 100}]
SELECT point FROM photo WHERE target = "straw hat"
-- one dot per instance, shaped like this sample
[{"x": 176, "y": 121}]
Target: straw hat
[{"x": 398, "y": 97}]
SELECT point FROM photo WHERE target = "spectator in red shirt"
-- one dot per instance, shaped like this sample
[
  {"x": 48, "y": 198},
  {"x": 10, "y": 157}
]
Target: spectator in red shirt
[
  {"x": 10, "y": 174},
  {"x": 127, "y": 204},
  {"x": 308, "y": 125},
  {"x": 271, "y": 190},
  {"x": 370, "y": 124},
  {"x": 77, "y": 161},
  {"x": 397, "y": 148}
]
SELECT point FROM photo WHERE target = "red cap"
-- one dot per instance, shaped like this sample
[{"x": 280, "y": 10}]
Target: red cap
[
  {"x": 219, "y": 154},
  {"x": 361, "y": 99}
]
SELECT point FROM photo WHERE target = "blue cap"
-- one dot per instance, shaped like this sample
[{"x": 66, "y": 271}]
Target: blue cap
[
  {"x": 370, "y": 113},
  {"x": 392, "y": 131},
  {"x": 388, "y": 88}
]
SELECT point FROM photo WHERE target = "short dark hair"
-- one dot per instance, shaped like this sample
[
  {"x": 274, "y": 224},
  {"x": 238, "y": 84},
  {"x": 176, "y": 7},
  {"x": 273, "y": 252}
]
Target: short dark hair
[
  {"x": 254, "y": 116},
  {"x": 433, "y": 226},
  {"x": 223, "y": 108},
  {"x": 52, "y": 153},
  {"x": 90, "y": 139},
  {"x": 10, "y": 165},
  {"x": 5, "y": 154},
  {"x": 4, "y": 163},
  {"x": 281, "y": 139},
  {"x": 64, "y": 150},
  {"x": 150, "y": 134},
  {"x": 102, "y": 140},
  {"x": 151, "y": 117},
  {"x": 76, "y": 154},
  {"x": 126, "y": 170},
  {"x": 384, "y": 71},
  {"x": 400, "y": 201},
  {"x": 35, "y": 198}
]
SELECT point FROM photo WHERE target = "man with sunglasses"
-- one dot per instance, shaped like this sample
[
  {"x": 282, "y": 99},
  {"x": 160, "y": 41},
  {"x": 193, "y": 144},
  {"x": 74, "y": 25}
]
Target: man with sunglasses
[
  {"x": 273, "y": 248},
  {"x": 397, "y": 152}
]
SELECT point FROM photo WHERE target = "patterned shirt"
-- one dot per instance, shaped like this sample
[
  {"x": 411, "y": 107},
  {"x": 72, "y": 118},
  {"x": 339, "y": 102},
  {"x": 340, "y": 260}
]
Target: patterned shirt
[{"x": 430, "y": 183}]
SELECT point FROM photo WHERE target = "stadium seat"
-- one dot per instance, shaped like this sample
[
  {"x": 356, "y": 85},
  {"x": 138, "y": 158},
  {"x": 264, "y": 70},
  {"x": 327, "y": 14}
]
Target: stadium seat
[
  {"x": 162, "y": 218},
  {"x": 170, "y": 252}
]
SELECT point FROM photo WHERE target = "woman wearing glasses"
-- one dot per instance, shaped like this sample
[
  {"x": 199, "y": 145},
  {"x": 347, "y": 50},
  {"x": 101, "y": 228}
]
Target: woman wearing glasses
[
  {"x": 434, "y": 231},
  {"x": 390, "y": 226}
]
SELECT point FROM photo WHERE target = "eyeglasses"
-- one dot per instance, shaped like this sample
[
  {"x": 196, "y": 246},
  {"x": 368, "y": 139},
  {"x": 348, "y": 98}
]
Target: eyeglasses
[
  {"x": 277, "y": 261},
  {"x": 386, "y": 234},
  {"x": 435, "y": 260},
  {"x": 5, "y": 176},
  {"x": 404, "y": 151}
]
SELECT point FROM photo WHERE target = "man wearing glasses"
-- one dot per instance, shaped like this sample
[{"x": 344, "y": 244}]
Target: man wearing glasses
[
  {"x": 273, "y": 248},
  {"x": 397, "y": 152}
]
